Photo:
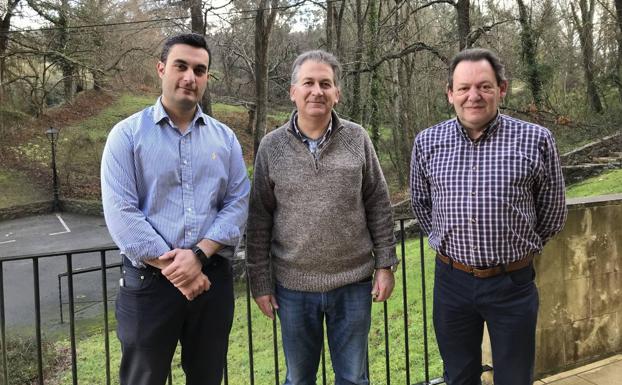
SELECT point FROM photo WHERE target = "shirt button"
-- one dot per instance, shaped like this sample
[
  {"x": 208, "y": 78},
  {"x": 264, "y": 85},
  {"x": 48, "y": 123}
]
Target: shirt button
[
  {"x": 189, "y": 210},
  {"x": 474, "y": 247},
  {"x": 188, "y": 186},
  {"x": 473, "y": 193},
  {"x": 473, "y": 220},
  {"x": 185, "y": 161},
  {"x": 474, "y": 167}
]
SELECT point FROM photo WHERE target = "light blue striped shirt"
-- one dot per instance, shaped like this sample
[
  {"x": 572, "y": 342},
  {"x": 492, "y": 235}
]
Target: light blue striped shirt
[{"x": 162, "y": 189}]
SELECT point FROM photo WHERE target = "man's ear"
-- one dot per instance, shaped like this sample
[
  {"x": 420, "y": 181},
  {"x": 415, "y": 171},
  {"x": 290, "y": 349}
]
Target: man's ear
[
  {"x": 450, "y": 95},
  {"x": 160, "y": 68},
  {"x": 292, "y": 90},
  {"x": 503, "y": 89}
]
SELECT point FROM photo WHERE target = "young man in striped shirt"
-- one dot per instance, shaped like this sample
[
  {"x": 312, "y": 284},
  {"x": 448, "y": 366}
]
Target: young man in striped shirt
[{"x": 488, "y": 190}]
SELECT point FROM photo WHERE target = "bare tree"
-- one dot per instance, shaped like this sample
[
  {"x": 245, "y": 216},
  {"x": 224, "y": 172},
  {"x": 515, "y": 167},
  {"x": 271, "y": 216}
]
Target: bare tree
[
  {"x": 265, "y": 17},
  {"x": 5, "y": 26},
  {"x": 584, "y": 22},
  {"x": 529, "y": 54},
  {"x": 618, "y": 73},
  {"x": 463, "y": 8}
]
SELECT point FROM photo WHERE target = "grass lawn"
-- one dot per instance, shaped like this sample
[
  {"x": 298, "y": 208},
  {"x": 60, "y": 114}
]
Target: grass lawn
[
  {"x": 17, "y": 190},
  {"x": 91, "y": 358},
  {"x": 609, "y": 182}
]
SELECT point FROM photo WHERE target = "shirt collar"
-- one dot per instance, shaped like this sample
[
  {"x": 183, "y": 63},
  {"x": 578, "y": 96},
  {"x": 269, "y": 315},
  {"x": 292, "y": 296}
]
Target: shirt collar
[
  {"x": 490, "y": 129},
  {"x": 159, "y": 114},
  {"x": 305, "y": 138}
]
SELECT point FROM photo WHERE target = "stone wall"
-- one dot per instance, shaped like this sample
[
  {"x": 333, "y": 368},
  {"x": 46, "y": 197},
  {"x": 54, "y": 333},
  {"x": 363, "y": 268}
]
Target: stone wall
[{"x": 579, "y": 276}]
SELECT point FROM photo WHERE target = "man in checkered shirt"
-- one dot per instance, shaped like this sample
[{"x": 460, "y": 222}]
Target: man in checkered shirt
[{"x": 488, "y": 190}]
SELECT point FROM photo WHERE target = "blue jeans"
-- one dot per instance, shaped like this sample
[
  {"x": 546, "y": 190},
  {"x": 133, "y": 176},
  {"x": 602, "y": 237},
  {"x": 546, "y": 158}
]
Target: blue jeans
[
  {"x": 508, "y": 303},
  {"x": 347, "y": 311}
]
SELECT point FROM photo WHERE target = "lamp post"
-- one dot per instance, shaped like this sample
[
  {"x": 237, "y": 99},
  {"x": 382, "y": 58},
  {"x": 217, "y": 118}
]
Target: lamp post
[{"x": 52, "y": 134}]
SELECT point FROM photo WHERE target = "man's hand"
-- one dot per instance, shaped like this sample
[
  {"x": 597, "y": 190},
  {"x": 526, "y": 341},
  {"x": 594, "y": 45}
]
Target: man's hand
[
  {"x": 184, "y": 268},
  {"x": 199, "y": 285},
  {"x": 383, "y": 285},
  {"x": 267, "y": 304}
]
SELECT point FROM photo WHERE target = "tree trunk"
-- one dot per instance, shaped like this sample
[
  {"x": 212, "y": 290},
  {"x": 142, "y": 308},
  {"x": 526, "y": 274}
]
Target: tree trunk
[
  {"x": 66, "y": 66},
  {"x": 330, "y": 8},
  {"x": 529, "y": 54},
  {"x": 464, "y": 23},
  {"x": 585, "y": 26},
  {"x": 618, "y": 74},
  {"x": 264, "y": 20},
  {"x": 355, "y": 97},
  {"x": 374, "y": 92},
  {"x": 5, "y": 26},
  {"x": 197, "y": 24}
]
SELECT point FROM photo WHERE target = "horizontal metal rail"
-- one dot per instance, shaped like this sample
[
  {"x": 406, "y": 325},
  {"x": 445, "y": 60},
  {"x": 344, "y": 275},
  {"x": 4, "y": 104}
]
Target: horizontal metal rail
[{"x": 390, "y": 375}]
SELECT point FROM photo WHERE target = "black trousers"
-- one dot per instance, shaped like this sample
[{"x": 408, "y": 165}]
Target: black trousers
[
  {"x": 508, "y": 303},
  {"x": 153, "y": 316}
]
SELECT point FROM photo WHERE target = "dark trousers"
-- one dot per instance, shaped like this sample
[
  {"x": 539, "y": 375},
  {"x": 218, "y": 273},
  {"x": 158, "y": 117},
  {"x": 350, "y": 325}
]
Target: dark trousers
[
  {"x": 508, "y": 303},
  {"x": 152, "y": 316}
]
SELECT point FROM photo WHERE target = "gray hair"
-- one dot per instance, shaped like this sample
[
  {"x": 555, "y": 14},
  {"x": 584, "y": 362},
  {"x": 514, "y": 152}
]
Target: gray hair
[
  {"x": 319, "y": 56},
  {"x": 477, "y": 54}
]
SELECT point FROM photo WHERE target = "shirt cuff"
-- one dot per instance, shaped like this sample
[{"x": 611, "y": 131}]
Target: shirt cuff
[
  {"x": 224, "y": 233},
  {"x": 261, "y": 287},
  {"x": 137, "y": 253},
  {"x": 385, "y": 257}
]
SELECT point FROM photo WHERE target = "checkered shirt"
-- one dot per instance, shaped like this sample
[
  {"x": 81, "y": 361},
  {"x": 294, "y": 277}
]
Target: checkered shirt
[{"x": 488, "y": 201}]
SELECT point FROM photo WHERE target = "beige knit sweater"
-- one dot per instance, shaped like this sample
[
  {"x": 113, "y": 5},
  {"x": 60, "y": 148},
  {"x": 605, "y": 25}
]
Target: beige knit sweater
[{"x": 317, "y": 223}]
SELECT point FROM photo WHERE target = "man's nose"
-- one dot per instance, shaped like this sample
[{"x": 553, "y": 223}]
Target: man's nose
[
  {"x": 317, "y": 90},
  {"x": 474, "y": 94},
  {"x": 189, "y": 76}
]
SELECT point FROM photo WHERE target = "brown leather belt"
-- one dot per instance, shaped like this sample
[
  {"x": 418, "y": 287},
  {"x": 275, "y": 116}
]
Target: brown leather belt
[{"x": 490, "y": 271}]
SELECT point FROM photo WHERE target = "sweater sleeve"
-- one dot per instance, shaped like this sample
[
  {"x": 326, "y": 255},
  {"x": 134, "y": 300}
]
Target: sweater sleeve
[
  {"x": 378, "y": 208},
  {"x": 259, "y": 226}
]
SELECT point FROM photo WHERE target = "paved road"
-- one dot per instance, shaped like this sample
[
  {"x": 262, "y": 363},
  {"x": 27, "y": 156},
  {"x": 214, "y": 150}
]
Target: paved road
[{"x": 53, "y": 233}]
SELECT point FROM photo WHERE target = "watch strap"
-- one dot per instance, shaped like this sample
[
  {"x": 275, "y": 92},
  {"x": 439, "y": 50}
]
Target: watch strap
[{"x": 204, "y": 259}]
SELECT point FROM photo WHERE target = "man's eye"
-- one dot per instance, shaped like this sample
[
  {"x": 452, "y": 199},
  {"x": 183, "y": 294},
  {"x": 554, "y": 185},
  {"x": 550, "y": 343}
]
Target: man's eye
[
  {"x": 200, "y": 72},
  {"x": 181, "y": 67}
]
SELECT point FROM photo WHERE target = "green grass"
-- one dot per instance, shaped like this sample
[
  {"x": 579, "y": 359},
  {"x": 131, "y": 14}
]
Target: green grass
[
  {"x": 609, "y": 182},
  {"x": 91, "y": 358},
  {"x": 16, "y": 190}
]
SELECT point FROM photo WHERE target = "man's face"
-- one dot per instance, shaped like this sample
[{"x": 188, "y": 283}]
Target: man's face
[
  {"x": 184, "y": 76},
  {"x": 315, "y": 92},
  {"x": 475, "y": 94}
]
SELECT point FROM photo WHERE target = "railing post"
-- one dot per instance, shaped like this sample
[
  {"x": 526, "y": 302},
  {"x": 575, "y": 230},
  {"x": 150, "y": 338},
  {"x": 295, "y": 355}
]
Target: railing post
[
  {"x": 36, "y": 290},
  {"x": 405, "y": 301},
  {"x": 72, "y": 320},
  {"x": 102, "y": 258},
  {"x": 276, "y": 348},
  {"x": 250, "y": 330},
  {"x": 424, "y": 310},
  {"x": 5, "y": 371},
  {"x": 387, "y": 356},
  {"x": 60, "y": 299}
]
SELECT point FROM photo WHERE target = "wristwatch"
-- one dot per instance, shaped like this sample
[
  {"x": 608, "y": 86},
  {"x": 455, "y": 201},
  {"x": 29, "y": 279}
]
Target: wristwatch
[{"x": 204, "y": 259}]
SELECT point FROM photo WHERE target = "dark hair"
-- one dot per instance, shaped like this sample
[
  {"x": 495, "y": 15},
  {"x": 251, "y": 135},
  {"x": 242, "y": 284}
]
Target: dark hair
[
  {"x": 476, "y": 54},
  {"x": 191, "y": 39},
  {"x": 320, "y": 57}
]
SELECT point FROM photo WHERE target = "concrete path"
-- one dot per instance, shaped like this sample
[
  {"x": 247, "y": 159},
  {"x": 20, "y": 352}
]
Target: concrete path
[
  {"x": 53, "y": 233},
  {"x": 604, "y": 372}
]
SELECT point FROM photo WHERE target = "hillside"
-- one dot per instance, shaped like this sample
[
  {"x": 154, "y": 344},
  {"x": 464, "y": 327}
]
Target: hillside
[
  {"x": 25, "y": 175},
  {"x": 84, "y": 125}
]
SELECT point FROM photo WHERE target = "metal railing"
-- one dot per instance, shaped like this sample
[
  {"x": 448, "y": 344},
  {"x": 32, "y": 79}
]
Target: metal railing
[{"x": 390, "y": 375}]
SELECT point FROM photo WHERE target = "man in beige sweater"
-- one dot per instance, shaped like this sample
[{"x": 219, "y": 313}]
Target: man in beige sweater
[{"x": 320, "y": 241}]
